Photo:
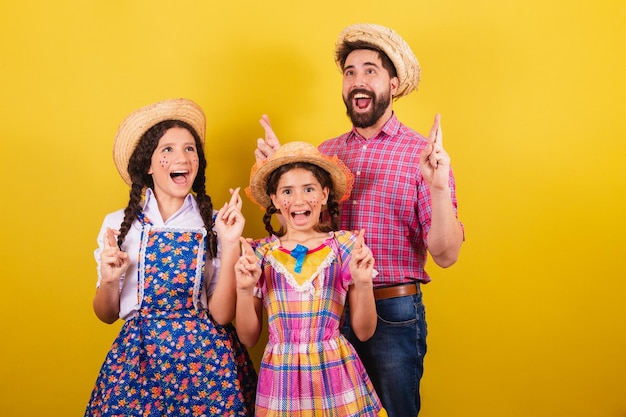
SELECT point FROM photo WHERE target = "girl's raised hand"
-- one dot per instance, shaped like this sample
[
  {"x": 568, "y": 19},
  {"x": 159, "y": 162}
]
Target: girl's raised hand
[
  {"x": 229, "y": 221},
  {"x": 247, "y": 269},
  {"x": 113, "y": 261},
  {"x": 361, "y": 262}
]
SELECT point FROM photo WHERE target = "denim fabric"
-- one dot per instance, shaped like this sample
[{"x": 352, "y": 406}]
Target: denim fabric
[{"x": 394, "y": 356}]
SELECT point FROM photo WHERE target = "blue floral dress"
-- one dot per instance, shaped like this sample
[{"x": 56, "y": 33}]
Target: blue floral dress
[{"x": 171, "y": 358}]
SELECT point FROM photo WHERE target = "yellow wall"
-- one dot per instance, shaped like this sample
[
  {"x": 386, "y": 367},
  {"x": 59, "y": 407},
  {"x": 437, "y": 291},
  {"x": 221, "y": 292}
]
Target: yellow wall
[{"x": 530, "y": 322}]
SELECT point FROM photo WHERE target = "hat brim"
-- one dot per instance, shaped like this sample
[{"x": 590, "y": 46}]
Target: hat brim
[
  {"x": 139, "y": 121},
  {"x": 292, "y": 152}
]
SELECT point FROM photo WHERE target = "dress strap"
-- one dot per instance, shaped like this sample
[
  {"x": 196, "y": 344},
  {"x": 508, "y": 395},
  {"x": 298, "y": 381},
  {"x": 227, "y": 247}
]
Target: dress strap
[{"x": 143, "y": 219}]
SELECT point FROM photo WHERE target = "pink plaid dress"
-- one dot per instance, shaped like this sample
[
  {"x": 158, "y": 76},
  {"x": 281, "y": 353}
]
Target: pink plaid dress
[{"x": 309, "y": 368}]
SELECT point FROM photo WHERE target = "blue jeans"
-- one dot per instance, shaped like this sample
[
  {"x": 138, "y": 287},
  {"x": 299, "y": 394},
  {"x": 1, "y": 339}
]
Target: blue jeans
[{"x": 394, "y": 356}]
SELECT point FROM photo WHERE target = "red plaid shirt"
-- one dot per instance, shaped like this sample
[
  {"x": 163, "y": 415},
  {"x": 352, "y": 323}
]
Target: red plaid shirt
[{"x": 390, "y": 199}]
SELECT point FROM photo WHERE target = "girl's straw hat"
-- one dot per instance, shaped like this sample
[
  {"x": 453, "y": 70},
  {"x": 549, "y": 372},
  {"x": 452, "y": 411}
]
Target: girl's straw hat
[
  {"x": 399, "y": 52},
  {"x": 139, "y": 121},
  {"x": 291, "y": 152}
]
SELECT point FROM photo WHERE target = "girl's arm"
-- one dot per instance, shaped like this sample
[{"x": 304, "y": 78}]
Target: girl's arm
[
  {"x": 229, "y": 224},
  {"x": 249, "y": 316},
  {"x": 363, "y": 316},
  {"x": 113, "y": 263},
  {"x": 249, "y": 313}
]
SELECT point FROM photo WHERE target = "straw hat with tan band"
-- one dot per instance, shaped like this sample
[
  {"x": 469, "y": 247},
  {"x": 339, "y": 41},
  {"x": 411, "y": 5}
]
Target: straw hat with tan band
[
  {"x": 291, "y": 152},
  {"x": 139, "y": 121},
  {"x": 399, "y": 52}
]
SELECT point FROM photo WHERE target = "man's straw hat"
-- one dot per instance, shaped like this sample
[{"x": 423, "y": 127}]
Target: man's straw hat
[
  {"x": 291, "y": 152},
  {"x": 399, "y": 52},
  {"x": 139, "y": 121}
]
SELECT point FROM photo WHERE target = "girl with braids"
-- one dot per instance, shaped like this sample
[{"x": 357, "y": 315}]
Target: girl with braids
[
  {"x": 166, "y": 267},
  {"x": 302, "y": 275}
]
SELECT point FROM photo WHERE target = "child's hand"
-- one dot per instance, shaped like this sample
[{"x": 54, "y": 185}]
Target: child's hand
[
  {"x": 247, "y": 269},
  {"x": 361, "y": 263},
  {"x": 229, "y": 221},
  {"x": 113, "y": 261}
]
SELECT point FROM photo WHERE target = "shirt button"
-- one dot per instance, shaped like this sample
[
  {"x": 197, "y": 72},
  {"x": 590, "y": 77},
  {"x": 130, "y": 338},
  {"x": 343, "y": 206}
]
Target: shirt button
[
  {"x": 364, "y": 147},
  {"x": 358, "y": 173},
  {"x": 354, "y": 202}
]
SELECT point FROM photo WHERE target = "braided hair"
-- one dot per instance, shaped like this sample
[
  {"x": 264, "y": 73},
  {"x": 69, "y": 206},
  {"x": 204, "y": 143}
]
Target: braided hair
[
  {"x": 329, "y": 218},
  {"x": 138, "y": 167}
]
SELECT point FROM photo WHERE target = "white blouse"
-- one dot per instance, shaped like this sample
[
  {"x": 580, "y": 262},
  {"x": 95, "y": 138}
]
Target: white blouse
[{"x": 187, "y": 216}]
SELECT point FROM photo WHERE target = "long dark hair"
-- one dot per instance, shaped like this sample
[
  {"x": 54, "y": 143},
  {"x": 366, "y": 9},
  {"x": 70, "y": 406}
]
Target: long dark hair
[
  {"x": 329, "y": 218},
  {"x": 138, "y": 166}
]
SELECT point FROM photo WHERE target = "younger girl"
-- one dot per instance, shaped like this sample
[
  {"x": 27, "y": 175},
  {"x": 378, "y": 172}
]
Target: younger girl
[
  {"x": 165, "y": 266},
  {"x": 302, "y": 275}
]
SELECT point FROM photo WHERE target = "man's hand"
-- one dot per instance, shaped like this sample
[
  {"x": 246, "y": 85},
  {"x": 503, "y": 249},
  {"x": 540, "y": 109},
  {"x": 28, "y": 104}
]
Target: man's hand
[
  {"x": 434, "y": 161},
  {"x": 266, "y": 147}
]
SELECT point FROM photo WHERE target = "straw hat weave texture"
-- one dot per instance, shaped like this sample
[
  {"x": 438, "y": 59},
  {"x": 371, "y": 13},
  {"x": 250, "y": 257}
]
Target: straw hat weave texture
[
  {"x": 292, "y": 152},
  {"x": 399, "y": 52}
]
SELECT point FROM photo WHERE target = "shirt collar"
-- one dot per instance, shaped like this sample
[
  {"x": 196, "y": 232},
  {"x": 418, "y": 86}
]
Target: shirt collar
[{"x": 151, "y": 206}]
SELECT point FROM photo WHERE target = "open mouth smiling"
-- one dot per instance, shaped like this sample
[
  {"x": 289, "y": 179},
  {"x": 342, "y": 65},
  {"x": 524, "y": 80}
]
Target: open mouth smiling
[
  {"x": 300, "y": 214},
  {"x": 361, "y": 100},
  {"x": 179, "y": 176}
]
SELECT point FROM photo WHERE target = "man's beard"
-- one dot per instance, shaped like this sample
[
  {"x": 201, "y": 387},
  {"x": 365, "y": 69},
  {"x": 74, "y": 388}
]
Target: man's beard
[{"x": 370, "y": 118}]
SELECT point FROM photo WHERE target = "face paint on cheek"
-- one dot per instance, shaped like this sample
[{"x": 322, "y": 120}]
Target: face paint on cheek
[
  {"x": 164, "y": 162},
  {"x": 285, "y": 203}
]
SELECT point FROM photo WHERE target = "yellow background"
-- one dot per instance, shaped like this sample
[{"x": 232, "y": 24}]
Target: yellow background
[{"x": 529, "y": 322}]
